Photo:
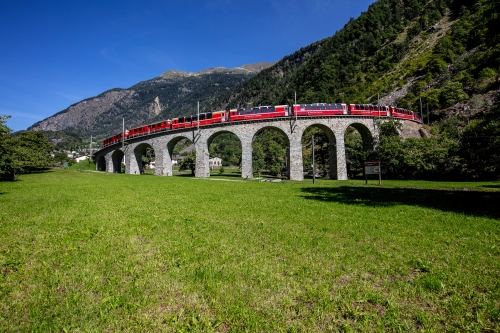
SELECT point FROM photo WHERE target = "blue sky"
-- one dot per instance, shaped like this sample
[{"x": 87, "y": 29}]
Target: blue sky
[{"x": 56, "y": 53}]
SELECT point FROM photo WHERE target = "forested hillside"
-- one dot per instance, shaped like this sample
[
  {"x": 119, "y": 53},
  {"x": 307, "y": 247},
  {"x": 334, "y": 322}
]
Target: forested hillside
[
  {"x": 443, "y": 55},
  {"x": 432, "y": 48}
]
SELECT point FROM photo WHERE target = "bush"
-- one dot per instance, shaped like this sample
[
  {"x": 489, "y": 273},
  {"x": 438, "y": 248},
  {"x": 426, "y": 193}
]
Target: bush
[{"x": 452, "y": 93}]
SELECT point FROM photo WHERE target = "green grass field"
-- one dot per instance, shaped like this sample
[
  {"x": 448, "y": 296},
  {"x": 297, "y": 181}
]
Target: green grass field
[{"x": 86, "y": 251}]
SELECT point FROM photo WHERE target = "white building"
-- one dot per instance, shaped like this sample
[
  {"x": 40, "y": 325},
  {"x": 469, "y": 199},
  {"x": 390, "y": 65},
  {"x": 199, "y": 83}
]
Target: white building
[
  {"x": 81, "y": 158},
  {"x": 215, "y": 162}
]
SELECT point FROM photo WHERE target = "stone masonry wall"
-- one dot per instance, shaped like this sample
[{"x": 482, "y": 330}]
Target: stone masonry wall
[{"x": 293, "y": 129}]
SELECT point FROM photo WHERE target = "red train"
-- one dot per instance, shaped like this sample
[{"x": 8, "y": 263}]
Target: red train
[{"x": 266, "y": 112}]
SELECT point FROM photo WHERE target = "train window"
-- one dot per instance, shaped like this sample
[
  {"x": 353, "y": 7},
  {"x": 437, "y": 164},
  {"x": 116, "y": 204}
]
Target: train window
[
  {"x": 271, "y": 109},
  {"x": 209, "y": 115},
  {"x": 302, "y": 107}
]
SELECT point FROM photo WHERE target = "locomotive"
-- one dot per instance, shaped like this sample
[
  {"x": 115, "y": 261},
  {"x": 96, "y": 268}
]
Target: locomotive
[{"x": 266, "y": 112}]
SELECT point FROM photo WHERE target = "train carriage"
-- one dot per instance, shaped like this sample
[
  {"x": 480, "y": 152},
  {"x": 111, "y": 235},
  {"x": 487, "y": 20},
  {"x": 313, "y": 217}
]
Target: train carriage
[
  {"x": 258, "y": 112},
  {"x": 139, "y": 131},
  {"x": 181, "y": 122},
  {"x": 209, "y": 118},
  {"x": 266, "y": 112},
  {"x": 401, "y": 113},
  {"x": 161, "y": 126},
  {"x": 319, "y": 109}
]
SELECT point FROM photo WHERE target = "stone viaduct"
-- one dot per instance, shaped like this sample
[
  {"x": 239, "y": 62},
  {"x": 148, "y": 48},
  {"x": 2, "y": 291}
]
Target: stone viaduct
[{"x": 110, "y": 158}]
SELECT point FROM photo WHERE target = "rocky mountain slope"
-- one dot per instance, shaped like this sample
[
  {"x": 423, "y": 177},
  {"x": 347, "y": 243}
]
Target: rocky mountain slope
[
  {"x": 399, "y": 52},
  {"x": 170, "y": 94},
  {"x": 441, "y": 53}
]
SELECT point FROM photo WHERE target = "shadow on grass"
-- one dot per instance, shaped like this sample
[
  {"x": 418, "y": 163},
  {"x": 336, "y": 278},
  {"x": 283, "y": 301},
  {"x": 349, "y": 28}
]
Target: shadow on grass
[
  {"x": 37, "y": 171},
  {"x": 491, "y": 186},
  {"x": 229, "y": 175},
  {"x": 186, "y": 175},
  {"x": 470, "y": 203}
]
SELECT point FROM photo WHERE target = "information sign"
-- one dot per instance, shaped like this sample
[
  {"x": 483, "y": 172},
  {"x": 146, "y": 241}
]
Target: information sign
[{"x": 373, "y": 168}]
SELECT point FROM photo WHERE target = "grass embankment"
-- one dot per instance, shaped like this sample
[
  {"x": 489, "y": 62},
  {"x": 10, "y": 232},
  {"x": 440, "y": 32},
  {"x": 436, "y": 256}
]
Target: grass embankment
[
  {"x": 86, "y": 251},
  {"x": 83, "y": 165}
]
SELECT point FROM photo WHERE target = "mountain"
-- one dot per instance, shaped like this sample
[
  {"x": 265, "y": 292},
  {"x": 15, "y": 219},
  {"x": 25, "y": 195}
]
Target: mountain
[
  {"x": 442, "y": 52},
  {"x": 171, "y": 94}
]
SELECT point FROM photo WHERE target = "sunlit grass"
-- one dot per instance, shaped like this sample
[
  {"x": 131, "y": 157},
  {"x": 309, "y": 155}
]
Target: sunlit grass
[{"x": 88, "y": 251}]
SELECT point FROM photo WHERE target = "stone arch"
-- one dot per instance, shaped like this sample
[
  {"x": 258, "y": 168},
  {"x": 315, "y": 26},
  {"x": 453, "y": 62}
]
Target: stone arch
[
  {"x": 139, "y": 151},
  {"x": 101, "y": 163},
  {"x": 332, "y": 150},
  {"x": 284, "y": 134},
  {"x": 175, "y": 140},
  {"x": 358, "y": 154},
  {"x": 220, "y": 132},
  {"x": 366, "y": 135},
  {"x": 116, "y": 160},
  {"x": 164, "y": 151}
]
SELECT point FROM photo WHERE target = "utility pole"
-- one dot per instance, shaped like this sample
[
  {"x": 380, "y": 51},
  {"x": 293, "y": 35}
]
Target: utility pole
[
  {"x": 378, "y": 104},
  {"x": 295, "y": 103},
  {"x": 421, "y": 109},
  {"x": 428, "y": 120},
  {"x": 313, "y": 164},
  {"x": 123, "y": 132},
  {"x": 198, "y": 117},
  {"x": 90, "y": 147}
]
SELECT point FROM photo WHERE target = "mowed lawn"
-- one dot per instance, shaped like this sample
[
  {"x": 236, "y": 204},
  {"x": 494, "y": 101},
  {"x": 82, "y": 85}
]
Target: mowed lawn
[{"x": 95, "y": 252}]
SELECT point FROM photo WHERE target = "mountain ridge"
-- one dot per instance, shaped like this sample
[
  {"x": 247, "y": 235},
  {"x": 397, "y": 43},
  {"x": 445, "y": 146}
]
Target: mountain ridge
[{"x": 161, "y": 96}]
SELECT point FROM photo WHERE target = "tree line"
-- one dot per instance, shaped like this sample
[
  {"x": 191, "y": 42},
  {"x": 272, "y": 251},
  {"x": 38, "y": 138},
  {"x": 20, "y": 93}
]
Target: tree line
[{"x": 28, "y": 152}]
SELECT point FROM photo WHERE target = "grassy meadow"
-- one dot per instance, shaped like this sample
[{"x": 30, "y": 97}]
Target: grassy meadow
[{"x": 86, "y": 251}]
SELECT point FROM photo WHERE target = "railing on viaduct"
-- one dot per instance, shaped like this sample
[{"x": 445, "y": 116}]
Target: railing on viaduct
[{"x": 110, "y": 158}]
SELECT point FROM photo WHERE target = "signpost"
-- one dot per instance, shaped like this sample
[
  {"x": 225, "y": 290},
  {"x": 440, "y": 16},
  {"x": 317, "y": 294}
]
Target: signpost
[{"x": 373, "y": 168}]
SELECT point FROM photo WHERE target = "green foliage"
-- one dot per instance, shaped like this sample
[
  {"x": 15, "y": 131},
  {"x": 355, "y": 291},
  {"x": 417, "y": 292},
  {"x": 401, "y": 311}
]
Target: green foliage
[
  {"x": 67, "y": 139},
  {"x": 389, "y": 128},
  {"x": 356, "y": 155},
  {"x": 422, "y": 158},
  {"x": 321, "y": 150},
  {"x": 188, "y": 163},
  {"x": 452, "y": 93},
  {"x": 426, "y": 158},
  {"x": 31, "y": 151},
  {"x": 148, "y": 157},
  {"x": 445, "y": 49},
  {"x": 8, "y": 168},
  {"x": 228, "y": 147},
  {"x": 269, "y": 152},
  {"x": 480, "y": 146},
  {"x": 437, "y": 65},
  {"x": 62, "y": 157}
]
